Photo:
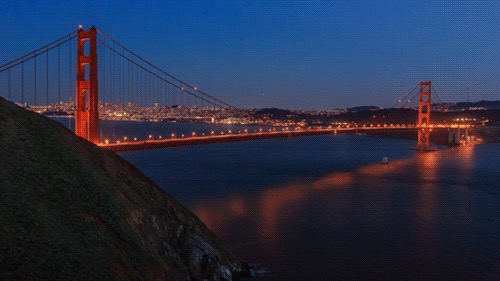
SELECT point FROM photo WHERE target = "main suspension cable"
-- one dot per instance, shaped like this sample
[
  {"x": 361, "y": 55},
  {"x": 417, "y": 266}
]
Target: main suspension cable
[{"x": 164, "y": 72}]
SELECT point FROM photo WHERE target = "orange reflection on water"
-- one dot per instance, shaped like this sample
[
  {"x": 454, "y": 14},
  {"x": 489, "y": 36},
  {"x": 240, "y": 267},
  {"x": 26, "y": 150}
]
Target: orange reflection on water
[
  {"x": 466, "y": 154},
  {"x": 274, "y": 202},
  {"x": 227, "y": 209},
  {"x": 270, "y": 208},
  {"x": 427, "y": 165},
  {"x": 334, "y": 180},
  {"x": 381, "y": 169}
]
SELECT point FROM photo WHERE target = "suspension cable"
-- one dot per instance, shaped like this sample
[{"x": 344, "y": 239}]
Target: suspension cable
[
  {"x": 405, "y": 97},
  {"x": 435, "y": 92},
  {"x": 37, "y": 50},
  {"x": 157, "y": 76},
  {"x": 164, "y": 72},
  {"x": 12, "y": 64}
]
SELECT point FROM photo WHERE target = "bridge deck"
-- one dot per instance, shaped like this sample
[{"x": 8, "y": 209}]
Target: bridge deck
[{"x": 200, "y": 140}]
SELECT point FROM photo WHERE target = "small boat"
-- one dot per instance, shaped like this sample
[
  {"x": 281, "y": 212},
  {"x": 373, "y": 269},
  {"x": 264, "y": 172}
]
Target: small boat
[{"x": 385, "y": 160}]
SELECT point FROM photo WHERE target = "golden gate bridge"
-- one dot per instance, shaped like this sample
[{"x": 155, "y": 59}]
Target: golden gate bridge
[{"x": 106, "y": 71}]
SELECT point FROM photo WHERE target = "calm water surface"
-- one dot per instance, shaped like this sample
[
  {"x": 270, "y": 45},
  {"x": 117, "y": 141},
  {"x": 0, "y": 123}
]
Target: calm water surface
[{"x": 323, "y": 208}]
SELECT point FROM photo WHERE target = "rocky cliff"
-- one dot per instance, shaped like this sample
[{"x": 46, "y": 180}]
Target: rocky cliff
[{"x": 70, "y": 210}]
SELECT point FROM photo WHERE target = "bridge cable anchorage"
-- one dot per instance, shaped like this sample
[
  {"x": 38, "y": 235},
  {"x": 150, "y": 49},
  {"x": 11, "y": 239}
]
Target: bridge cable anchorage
[
  {"x": 166, "y": 73},
  {"x": 159, "y": 77}
]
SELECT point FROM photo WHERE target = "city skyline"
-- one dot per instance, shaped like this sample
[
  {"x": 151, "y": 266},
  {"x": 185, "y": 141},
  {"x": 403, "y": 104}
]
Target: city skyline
[{"x": 290, "y": 55}]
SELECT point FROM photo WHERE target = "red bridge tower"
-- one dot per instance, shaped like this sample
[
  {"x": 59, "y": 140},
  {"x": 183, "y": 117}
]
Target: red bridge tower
[
  {"x": 86, "y": 110},
  {"x": 424, "y": 117}
]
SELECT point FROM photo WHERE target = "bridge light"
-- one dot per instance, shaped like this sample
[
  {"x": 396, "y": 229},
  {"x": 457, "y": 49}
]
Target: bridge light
[
  {"x": 182, "y": 135},
  {"x": 159, "y": 137},
  {"x": 193, "y": 134},
  {"x": 150, "y": 136},
  {"x": 106, "y": 141},
  {"x": 195, "y": 88},
  {"x": 135, "y": 139},
  {"x": 229, "y": 131},
  {"x": 80, "y": 26},
  {"x": 246, "y": 131},
  {"x": 173, "y": 135},
  {"x": 125, "y": 138},
  {"x": 212, "y": 133}
]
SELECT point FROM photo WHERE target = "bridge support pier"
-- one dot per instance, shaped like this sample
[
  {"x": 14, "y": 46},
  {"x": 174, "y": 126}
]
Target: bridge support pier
[{"x": 458, "y": 136}]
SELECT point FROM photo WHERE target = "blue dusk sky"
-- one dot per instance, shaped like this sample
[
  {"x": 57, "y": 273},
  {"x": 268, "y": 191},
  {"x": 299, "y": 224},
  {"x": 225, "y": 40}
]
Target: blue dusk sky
[{"x": 288, "y": 54}]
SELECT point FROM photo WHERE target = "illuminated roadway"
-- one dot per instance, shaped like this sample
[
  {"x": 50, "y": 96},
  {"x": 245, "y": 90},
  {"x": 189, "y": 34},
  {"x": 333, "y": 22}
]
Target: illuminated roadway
[{"x": 121, "y": 146}]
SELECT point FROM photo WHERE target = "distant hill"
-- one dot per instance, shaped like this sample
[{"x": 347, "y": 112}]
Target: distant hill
[
  {"x": 276, "y": 112},
  {"x": 480, "y": 104},
  {"x": 362, "y": 108},
  {"x": 70, "y": 210}
]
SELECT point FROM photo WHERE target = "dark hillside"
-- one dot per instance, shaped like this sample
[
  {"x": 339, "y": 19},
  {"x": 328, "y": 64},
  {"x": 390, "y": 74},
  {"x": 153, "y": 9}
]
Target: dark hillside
[{"x": 70, "y": 210}]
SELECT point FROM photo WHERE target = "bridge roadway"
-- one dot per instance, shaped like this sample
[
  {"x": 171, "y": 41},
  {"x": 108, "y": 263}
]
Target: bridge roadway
[{"x": 233, "y": 137}]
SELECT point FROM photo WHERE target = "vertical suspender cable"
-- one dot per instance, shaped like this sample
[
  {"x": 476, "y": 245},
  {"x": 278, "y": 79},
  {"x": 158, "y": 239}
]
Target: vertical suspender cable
[
  {"x": 112, "y": 76},
  {"x": 104, "y": 91},
  {"x": 47, "y": 80},
  {"x": 22, "y": 83},
  {"x": 69, "y": 70},
  {"x": 136, "y": 85},
  {"x": 128, "y": 83},
  {"x": 35, "y": 80},
  {"x": 58, "y": 74},
  {"x": 8, "y": 85},
  {"x": 120, "y": 79},
  {"x": 70, "y": 77}
]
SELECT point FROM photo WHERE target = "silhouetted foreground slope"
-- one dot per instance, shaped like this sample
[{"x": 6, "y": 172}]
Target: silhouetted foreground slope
[{"x": 70, "y": 210}]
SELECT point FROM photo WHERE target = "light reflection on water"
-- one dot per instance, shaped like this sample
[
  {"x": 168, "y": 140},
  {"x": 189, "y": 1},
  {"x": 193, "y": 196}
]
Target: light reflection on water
[
  {"x": 386, "y": 221},
  {"x": 322, "y": 208}
]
